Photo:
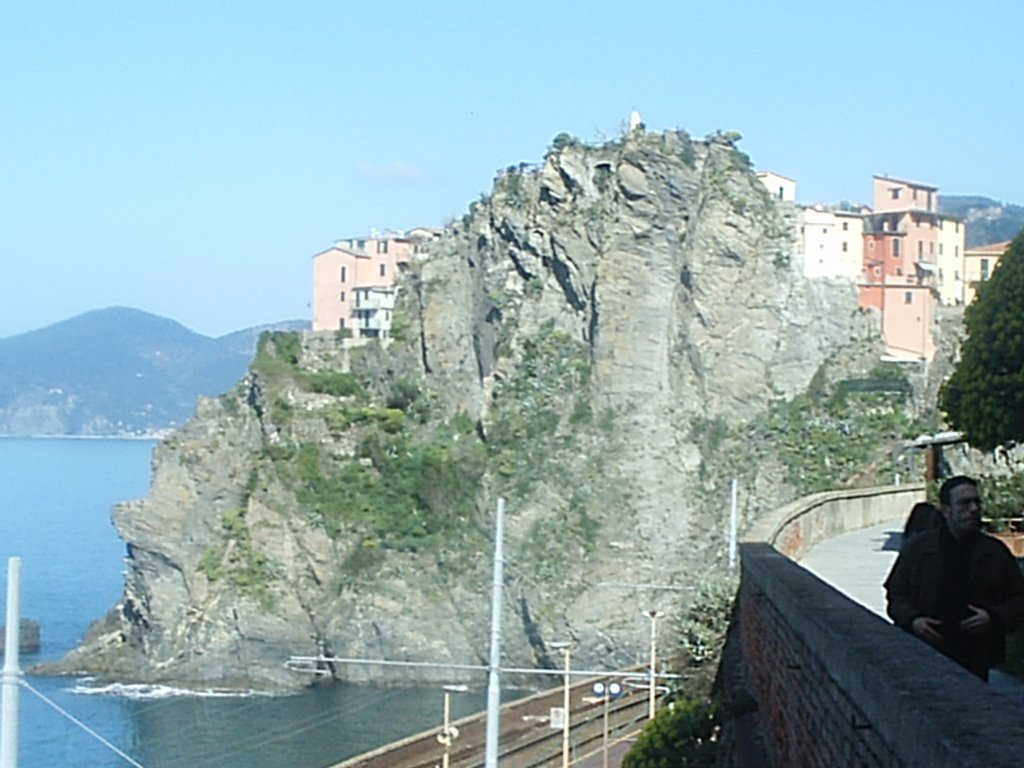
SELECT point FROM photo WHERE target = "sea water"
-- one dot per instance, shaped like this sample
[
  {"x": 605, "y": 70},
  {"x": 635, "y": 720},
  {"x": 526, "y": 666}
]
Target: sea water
[{"x": 56, "y": 497}]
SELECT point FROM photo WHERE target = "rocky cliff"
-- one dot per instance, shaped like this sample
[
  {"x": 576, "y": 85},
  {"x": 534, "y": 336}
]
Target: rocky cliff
[{"x": 578, "y": 343}]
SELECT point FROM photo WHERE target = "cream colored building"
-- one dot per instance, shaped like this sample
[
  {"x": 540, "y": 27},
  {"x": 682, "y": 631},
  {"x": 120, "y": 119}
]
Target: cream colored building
[
  {"x": 779, "y": 187},
  {"x": 949, "y": 261},
  {"x": 979, "y": 263},
  {"x": 830, "y": 243}
]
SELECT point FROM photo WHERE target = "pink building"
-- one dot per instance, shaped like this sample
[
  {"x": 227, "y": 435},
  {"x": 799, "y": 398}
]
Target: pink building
[
  {"x": 353, "y": 281},
  {"x": 900, "y": 252}
]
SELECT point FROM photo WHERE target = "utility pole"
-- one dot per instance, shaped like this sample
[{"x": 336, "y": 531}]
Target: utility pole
[
  {"x": 11, "y": 675},
  {"x": 448, "y": 731},
  {"x": 493, "y": 729},
  {"x": 566, "y": 649},
  {"x": 654, "y": 615},
  {"x": 733, "y": 520}
]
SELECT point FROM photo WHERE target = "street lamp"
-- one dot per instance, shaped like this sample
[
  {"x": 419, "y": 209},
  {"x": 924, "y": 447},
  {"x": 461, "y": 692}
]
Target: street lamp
[
  {"x": 654, "y": 615},
  {"x": 566, "y": 649},
  {"x": 606, "y": 692},
  {"x": 449, "y": 732}
]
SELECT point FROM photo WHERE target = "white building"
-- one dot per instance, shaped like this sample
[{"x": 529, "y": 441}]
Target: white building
[
  {"x": 830, "y": 242},
  {"x": 779, "y": 187}
]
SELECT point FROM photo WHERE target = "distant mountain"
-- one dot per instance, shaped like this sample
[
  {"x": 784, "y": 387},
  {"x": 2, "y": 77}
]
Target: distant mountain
[
  {"x": 988, "y": 221},
  {"x": 115, "y": 371}
]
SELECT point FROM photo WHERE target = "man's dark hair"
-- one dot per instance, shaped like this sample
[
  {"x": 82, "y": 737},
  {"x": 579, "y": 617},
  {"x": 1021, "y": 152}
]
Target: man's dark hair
[{"x": 946, "y": 491}]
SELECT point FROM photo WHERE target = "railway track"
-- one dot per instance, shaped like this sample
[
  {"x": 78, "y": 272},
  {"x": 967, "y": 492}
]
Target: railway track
[{"x": 527, "y": 738}]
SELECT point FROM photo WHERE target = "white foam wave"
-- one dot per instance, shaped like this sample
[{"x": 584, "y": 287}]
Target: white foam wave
[{"x": 142, "y": 691}]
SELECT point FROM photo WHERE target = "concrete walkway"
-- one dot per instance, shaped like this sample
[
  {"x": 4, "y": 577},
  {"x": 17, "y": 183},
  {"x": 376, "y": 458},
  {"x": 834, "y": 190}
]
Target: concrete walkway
[{"x": 857, "y": 563}]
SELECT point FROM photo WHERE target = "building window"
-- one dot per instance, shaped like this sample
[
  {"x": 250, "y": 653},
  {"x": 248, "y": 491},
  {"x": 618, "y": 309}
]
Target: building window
[
  {"x": 824, "y": 230},
  {"x": 341, "y": 323},
  {"x": 931, "y": 248},
  {"x": 383, "y": 270},
  {"x": 844, "y": 247},
  {"x": 940, "y": 249},
  {"x": 341, "y": 296},
  {"x": 360, "y": 244},
  {"x": 984, "y": 269},
  {"x": 382, "y": 246},
  {"x": 908, "y": 297},
  {"x": 895, "y": 192},
  {"x": 343, "y": 274},
  {"x": 895, "y": 248},
  {"x": 846, "y": 226},
  {"x": 956, "y": 251},
  {"x": 920, "y": 250},
  {"x": 871, "y": 245}
]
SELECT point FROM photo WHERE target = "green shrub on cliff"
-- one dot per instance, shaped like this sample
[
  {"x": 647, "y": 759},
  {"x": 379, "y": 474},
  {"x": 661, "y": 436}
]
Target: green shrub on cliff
[
  {"x": 277, "y": 352},
  {"x": 826, "y": 445},
  {"x": 551, "y": 382},
  {"x": 237, "y": 560},
  {"x": 707, "y": 620},
  {"x": 333, "y": 383},
  {"x": 403, "y": 493}
]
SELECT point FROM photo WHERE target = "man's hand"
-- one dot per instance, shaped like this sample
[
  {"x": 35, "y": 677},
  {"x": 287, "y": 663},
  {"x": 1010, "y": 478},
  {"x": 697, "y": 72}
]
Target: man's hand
[
  {"x": 927, "y": 629},
  {"x": 978, "y": 623}
]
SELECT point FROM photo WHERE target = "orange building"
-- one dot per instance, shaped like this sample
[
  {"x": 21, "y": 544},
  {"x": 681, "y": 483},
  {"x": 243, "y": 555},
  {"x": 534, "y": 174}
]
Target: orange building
[{"x": 901, "y": 246}]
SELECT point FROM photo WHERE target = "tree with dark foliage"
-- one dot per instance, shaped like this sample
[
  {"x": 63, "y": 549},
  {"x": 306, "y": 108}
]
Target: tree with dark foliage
[{"x": 984, "y": 398}]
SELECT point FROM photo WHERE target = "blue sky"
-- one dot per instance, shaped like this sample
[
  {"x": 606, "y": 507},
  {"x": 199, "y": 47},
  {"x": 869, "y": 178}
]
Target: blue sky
[{"x": 189, "y": 158}]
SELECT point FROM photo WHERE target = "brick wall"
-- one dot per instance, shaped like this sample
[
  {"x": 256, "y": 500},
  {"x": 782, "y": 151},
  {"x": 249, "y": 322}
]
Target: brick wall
[{"x": 811, "y": 720}]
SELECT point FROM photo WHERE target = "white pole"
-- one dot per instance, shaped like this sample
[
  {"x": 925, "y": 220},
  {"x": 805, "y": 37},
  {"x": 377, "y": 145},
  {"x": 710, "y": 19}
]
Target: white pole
[
  {"x": 447, "y": 732},
  {"x": 654, "y": 645},
  {"x": 732, "y": 524},
  {"x": 604, "y": 739},
  {"x": 565, "y": 705},
  {"x": 11, "y": 675},
  {"x": 493, "y": 729}
]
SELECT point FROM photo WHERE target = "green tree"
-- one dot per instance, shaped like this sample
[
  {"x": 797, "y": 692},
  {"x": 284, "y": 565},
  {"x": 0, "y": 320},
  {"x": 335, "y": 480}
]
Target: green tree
[
  {"x": 685, "y": 733},
  {"x": 984, "y": 398}
]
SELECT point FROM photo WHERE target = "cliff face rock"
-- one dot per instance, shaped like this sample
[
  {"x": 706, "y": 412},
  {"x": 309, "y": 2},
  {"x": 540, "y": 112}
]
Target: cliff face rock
[{"x": 559, "y": 347}]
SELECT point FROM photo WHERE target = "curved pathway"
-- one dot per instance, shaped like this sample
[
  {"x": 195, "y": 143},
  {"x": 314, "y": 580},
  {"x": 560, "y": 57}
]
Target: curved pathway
[{"x": 856, "y": 563}]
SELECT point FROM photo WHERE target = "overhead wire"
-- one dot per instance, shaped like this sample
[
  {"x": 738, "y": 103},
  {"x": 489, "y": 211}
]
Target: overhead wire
[{"x": 105, "y": 742}]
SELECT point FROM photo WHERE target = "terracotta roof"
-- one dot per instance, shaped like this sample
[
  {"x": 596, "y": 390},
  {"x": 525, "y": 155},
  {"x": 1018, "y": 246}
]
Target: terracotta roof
[{"x": 994, "y": 248}]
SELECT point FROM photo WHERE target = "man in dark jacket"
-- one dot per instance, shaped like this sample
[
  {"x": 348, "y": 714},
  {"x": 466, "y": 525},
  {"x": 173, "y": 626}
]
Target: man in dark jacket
[{"x": 957, "y": 588}]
